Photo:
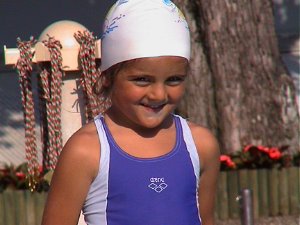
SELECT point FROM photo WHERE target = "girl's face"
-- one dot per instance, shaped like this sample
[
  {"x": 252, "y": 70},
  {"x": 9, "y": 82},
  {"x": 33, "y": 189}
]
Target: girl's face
[{"x": 147, "y": 90}]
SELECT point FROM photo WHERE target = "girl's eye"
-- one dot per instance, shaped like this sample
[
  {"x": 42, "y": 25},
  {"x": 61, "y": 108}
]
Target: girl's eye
[
  {"x": 141, "y": 81},
  {"x": 176, "y": 80}
]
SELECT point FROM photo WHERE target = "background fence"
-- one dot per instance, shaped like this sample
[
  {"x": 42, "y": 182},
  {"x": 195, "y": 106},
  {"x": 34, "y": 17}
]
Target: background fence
[
  {"x": 275, "y": 193},
  {"x": 21, "y": 207}
]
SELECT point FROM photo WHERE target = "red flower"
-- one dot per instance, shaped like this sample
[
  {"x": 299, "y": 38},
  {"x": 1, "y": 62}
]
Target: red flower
[
  {"x": 20, "y": 175},
  {"x": 224, "y": 158},
  {"x": 263, "y": 149},
  {"x": 227, "y": 160},
  {"x": 254, "y": 148},
  {"x": 247, "y": 148},
  {"x": 274, "y": 153}
]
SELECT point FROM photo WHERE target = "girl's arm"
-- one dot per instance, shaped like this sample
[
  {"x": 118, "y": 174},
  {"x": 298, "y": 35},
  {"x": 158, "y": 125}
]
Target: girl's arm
[
  {"x": 208, "y": 150},
  {"x": 77, "y": 166}
]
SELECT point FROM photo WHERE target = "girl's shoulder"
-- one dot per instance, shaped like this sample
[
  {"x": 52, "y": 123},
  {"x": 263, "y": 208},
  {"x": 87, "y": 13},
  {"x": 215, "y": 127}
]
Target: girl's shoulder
[
  {"x": 206, "y": 143},
  {"x": 203, "y": 136},
  {"x": 84, "y": 148},
  {"x": 85, "y": 137}
]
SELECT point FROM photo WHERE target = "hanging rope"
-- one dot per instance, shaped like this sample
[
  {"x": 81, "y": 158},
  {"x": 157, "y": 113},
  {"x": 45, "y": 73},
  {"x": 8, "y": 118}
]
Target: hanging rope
[
  {"x": 24, "y": 67},
  {"x": 90, "y": 73},
  {"x": 45, "y": 106},
  {"x": 51, "y": 83}
]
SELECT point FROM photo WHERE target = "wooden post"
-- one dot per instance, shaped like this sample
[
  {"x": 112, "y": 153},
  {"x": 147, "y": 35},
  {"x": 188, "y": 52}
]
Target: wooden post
[
  {"x": 233, "y": 193},
  {"x": 222, "y": 199},
  {"x": 273, "y": 187},
  {"x": 20, "y": 208},
  {"x": 243, "y": 179},
  {"x": 9, "y": 208},
  {"x": 283, "y": 192},
  {"x": 263, "y": 192},
  {"x": 30, "y": 212},
  {"x": 39, "y": 200},
  {"x": 2, "y": 213},
  {"x": 293, "y": 176}
]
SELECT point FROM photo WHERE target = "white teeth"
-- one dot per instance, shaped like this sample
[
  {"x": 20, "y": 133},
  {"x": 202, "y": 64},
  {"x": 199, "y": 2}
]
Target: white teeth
[
  {"x": 153, "y": 106},
  {"x": 157, "y": 106}
]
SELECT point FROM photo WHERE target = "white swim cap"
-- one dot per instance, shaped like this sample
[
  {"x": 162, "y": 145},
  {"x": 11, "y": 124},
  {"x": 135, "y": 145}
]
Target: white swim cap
[{"x": 143, "y": 28}]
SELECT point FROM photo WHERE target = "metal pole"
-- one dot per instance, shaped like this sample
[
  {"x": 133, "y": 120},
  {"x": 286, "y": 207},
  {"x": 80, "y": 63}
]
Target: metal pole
[{"x": 246, "y": 207}]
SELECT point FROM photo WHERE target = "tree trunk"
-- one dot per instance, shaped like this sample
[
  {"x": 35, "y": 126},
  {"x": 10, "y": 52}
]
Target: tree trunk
[
  {"x": 238, "y": 84},
  {"x": 198, "y": 104}
]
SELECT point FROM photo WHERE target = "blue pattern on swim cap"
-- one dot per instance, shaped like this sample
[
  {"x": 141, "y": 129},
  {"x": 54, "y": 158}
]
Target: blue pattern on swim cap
[
  {"x": 120, "y": 2},
  {"x": 168, "y": 2},
  {"x": 111, "y": 25}
]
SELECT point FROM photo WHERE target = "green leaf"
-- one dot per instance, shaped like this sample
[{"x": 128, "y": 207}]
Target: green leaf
[{"x": 48, "y": 176}]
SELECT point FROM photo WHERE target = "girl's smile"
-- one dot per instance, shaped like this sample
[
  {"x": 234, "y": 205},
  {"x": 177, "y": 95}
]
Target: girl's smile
[{"x": 154, "y": 108}]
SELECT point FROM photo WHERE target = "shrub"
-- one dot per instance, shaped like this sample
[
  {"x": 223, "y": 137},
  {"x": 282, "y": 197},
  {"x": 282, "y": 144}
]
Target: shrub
[{"x": 256, "y": 157}]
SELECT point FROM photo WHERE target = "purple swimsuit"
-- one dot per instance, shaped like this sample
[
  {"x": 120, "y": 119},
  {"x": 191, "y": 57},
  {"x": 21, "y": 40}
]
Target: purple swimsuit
[{"x": 152, "y": 191}]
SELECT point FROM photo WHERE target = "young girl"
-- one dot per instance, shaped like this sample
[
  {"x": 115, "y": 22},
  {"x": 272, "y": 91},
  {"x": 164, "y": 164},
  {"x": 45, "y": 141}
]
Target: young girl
[{"x": 138, "y": 163}]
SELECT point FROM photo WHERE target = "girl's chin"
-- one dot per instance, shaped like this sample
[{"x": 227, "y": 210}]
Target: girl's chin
[{"x": 153, "y": 121}]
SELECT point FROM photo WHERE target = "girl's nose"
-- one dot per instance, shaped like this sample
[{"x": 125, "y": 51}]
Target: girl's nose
[{"x": 157, "y": 92}]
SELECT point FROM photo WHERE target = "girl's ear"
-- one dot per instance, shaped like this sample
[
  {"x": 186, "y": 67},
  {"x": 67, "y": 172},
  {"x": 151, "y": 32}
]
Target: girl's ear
[{"x": 106, "y": 80}]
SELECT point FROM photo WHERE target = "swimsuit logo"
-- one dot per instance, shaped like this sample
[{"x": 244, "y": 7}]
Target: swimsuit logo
[{"x": 157, "y": 184}]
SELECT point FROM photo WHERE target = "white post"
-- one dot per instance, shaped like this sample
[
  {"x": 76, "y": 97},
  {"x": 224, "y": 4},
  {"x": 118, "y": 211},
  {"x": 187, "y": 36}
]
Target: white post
[
  {"x": 72, "y": 116},
  {"x": 72, "y": 108}
]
